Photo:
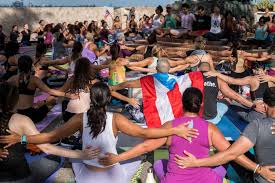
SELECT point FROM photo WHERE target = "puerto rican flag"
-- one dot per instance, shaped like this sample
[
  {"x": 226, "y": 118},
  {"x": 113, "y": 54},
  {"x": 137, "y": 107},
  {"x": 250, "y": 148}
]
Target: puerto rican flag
[{"x": 162, "y": 96}]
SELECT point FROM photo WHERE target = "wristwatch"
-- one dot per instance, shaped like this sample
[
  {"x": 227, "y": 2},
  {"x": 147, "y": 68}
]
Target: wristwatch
[{"x": 23, "y": 139}]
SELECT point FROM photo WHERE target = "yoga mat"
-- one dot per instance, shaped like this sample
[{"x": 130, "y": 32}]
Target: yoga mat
[
  {"x": 55, "y": 111},
  {"x": 41, "y": 97}
]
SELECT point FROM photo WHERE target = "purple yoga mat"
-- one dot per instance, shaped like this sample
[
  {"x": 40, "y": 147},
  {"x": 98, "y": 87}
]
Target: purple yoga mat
[
  {"x": 56, "y": 110},
  {"x": 41, "y": 97}
]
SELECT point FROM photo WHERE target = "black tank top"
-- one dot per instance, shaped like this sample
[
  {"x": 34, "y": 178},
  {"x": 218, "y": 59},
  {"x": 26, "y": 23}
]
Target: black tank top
[
  {"x": 211, "y": 91},
  {"x": 15, "y": 166},
  {"x": 148, "y": 52},
  {"x": 258, "y": 94}
]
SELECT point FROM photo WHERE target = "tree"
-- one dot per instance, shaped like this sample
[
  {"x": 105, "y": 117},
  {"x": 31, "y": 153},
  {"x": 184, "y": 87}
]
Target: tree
[{"x": 263, "y": 4}]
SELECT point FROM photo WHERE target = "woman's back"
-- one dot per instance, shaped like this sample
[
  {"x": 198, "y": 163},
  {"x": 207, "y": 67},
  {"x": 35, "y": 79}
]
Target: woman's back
[
  {"x": 106, "y": 140},
  {"x": 15, "y": 166},
  {"x": 199, "y": 147},
  {"x": 88, "y": 53}
]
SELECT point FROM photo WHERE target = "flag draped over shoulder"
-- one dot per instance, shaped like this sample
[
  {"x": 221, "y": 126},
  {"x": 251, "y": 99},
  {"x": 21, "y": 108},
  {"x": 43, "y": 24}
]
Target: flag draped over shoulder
[{"x": 162, "y": 96}]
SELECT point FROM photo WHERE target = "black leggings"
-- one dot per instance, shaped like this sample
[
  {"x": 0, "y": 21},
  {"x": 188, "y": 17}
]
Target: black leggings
[{"x": 36, "y": 114}]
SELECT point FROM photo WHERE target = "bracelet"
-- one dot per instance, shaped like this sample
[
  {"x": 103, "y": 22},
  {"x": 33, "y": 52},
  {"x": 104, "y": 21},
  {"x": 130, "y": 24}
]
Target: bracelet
[
  {"x": 256, "y": 168},
  {"x": 24, "y": 139}
]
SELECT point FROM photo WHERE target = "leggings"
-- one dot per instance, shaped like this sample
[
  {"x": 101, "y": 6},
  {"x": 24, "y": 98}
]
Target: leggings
[{"x": 36, "y": 114}]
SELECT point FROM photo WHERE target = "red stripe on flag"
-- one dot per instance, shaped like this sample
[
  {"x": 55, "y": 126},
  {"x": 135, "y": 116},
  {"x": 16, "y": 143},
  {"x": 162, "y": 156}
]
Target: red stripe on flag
[
  {"x": 198, "y": 82},
  {"x": 175, "y": 99},
  {"x": 149, "y": 102}
]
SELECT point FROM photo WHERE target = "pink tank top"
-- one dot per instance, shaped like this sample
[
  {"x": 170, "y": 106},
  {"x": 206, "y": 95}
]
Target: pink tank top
[{"x": 199, "y": 147}]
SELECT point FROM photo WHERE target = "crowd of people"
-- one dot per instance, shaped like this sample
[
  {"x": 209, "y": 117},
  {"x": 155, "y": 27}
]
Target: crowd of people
[{"x": 94, "y": 69}]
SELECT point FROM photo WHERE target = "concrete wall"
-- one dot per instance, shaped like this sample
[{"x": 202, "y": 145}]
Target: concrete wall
[{"x": 19, "y": 16}]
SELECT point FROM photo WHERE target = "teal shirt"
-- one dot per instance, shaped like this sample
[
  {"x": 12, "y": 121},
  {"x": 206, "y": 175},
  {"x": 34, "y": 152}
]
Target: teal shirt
[{"x": 170, "y": 22}]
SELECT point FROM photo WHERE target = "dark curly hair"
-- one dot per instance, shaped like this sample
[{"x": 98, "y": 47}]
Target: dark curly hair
[
  {"x": 192, "y": 100},
  {"x": 100, "y": 98},
  {"x": 83, "y": 75}
]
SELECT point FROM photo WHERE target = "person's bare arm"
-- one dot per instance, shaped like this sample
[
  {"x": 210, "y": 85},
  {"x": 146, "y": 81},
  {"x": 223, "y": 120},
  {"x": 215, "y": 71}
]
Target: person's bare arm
[
  {"x": 142, "y": 63},
  {"x": 233, "y": 81},
  {"x": 142, "y": 69},
  {"x": 178, "y": 68},
  {"x": 56, "y": 62},
  {"x": 26, "y": 126},
  {"x": 175, "y": 63},
  {"x": 99, "y": 67},
  {"x": 221, "y": 144},
  {"x": 127, "y": 84},
  {"x": 261, "y": 59},
  {"x": 125, "y": 126},
  {"x": 224, "y": 53},
  {"x": 43, "y": 87},
  {"x": 131, "y": 101},
  {"x": 228, "y": 92},
  {"x": 69, "y": 128}
]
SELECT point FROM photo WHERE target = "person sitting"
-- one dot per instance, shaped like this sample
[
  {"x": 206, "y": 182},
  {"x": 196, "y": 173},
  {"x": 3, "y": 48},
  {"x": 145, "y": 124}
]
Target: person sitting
[
  {"x": 27, "y": 84},
  {"x": 157, "y": 19},
  {"x": 256, "y": 135},
  {"x": 202, "y": 23},
  {"x": 208, "y": 135},
  {"x": 186, "y": 18},
  {"x": 215, "y": 33},
  {"x": 14, "y": 166},
  {"x": 100, "y": 129},
  {"x": 260, "y": 39},
  {"x": 170, "y": 22},
  {"x": 26, "y": 36}
]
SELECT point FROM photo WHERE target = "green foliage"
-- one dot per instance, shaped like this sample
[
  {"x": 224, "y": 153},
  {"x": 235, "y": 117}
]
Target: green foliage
[{"x": 263, "y": 4}]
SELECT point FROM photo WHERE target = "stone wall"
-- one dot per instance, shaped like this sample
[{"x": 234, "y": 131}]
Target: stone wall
[{"x": 19, "y": 16}]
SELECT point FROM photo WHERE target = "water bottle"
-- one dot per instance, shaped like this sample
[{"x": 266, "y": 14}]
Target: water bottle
[
  {"x": 114, "y": 78},
  {"x": 150, "y": 176}
]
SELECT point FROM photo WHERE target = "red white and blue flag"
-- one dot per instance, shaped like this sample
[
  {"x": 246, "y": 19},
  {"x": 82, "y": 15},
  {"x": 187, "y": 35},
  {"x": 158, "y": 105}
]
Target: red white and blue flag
[{"x": 162, "y": 96}]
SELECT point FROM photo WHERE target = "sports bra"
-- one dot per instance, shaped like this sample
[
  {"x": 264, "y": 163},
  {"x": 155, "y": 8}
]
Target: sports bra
[{"x": 23, "y": 89}]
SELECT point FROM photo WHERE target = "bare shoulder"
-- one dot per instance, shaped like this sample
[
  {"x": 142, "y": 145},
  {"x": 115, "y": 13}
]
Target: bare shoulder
[{"x": 18, "y": 121}]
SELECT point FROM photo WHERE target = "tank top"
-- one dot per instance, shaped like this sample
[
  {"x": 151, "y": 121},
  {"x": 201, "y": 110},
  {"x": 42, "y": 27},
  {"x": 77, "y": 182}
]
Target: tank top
[
  {"x": 80, "y": 105},
  {"x": 156, "y": 22},
  {"x": 89, "y": 53},
  {"x": 261, "y": 33},
  {"x": 199, "y": 147},
  {"x": 259, "y": 93},
  {"x": 216, "y": 24},
  {"x": 187, "y": 20},
  {"x": 211, "y": 91},
  {"x": 117, "y": 75},
  {"x": 154, "y": 64},
  {"x": 106, "y": 140},
  {"x": 170, "y": 22}
]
